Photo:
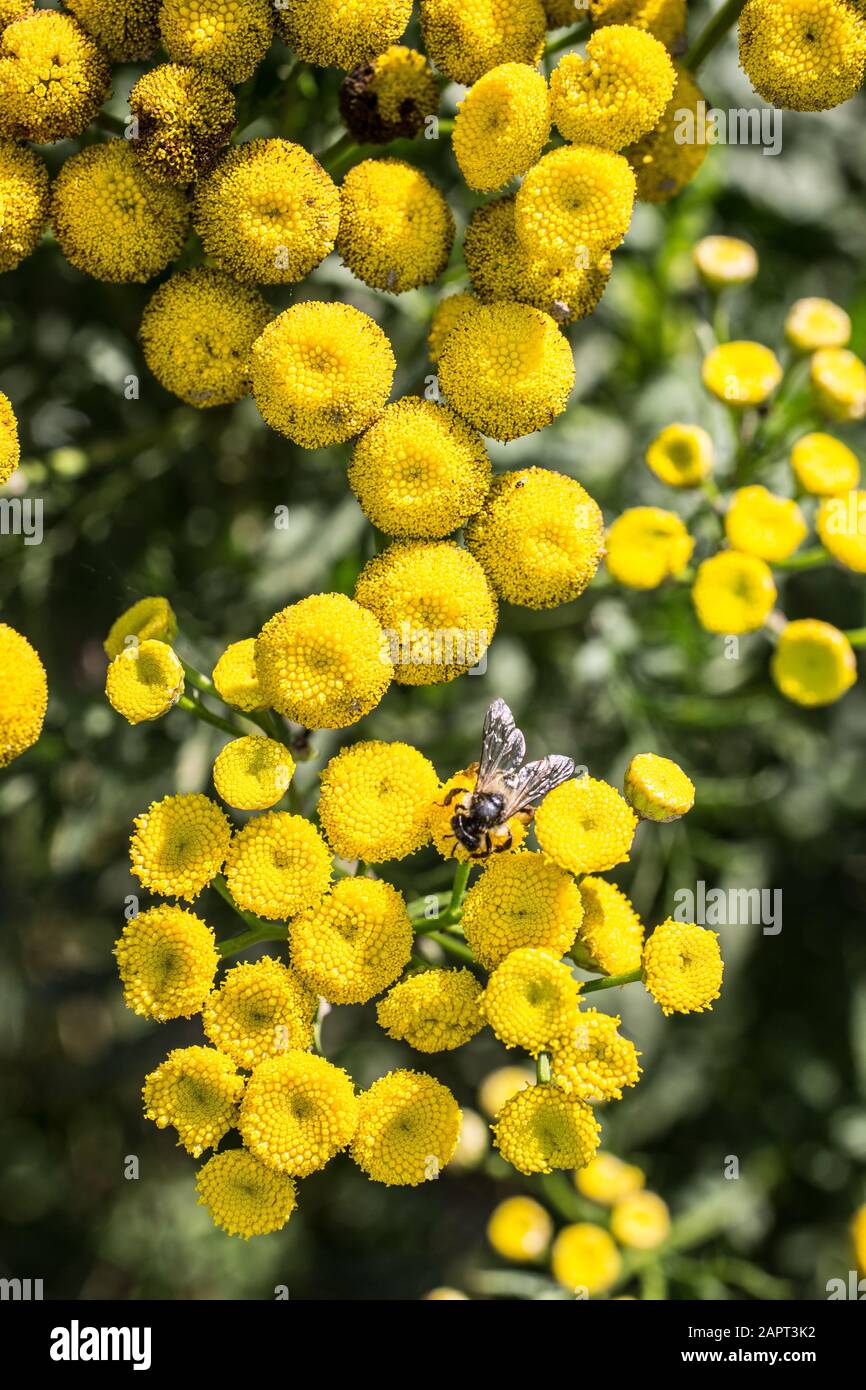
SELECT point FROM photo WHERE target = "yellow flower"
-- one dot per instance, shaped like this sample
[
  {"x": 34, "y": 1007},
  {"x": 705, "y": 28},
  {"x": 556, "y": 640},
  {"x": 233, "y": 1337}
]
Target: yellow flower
[
  {"x": 244, "y": 1197},
  {"x": 500, "y": 1085},
  {"x": 197, "y": 1091},
  {"x": 665, "y": 19},
  {"x": 268, "y": 212},
  {"x": 617, "y": 93},
  {"x": 226, "y": 37},
  {"x": 184, "y": 117},
  {"x": 23, "y": 695},
  {"x": 355, "y": 943},
  {"x": 420, "y": 471},
  {"x": 502, "y": 125},
  {"x": 396, "y": 229},
  {"x": 683, "y": 967},
  {"x": 23, "y": 209},
  {"x": 611, "y": 933},
  {"x": 733, "y": 592},
  {"x": 824, "y": 466},
  {"x": 408, "y": 1127},
  {"x": 839, "y": 382},
  {"x": 606, "y": 1179},
  {"x": 436, "y": 608},
  {"x": 179, "y": 844},
  {"x": 520, "y": 900},
  {"x": 144, "y": 682},
  {"x": 508, "y": 369},
  {"x": 148, "y": 620},
  {"x": 236, "y": 678},
  {"x": 741, "y": 373},
  {"x": 646, "y": 546},
  {"x": 585, "y": 1259},
  {"x": 562, "y": 13},
  {"x": 15, "y": 9},
  {"x": 341, "y": 33},
  {"x": 575, "y": 204},
  {"x": 322, "y": 373},
  {"x": 681, "y": 455},
  {"x": 501, "y": 838},
  {"x": 858, "y": 1237},
  {"x": 323, "y": 662},
  {"x": 167, "y": 958},
  {"x": 662, "y": 165},
  {"x": 112, "y": 220},
  {"x": 813, "y": 663},
  {"x": 519, "y": 1229},
  {"x": 260, "y": 1010},
  {"x": 531, "y": 999},
  {"x": 298, "y": 1111},
  {"x": 252, "y": 773},
  {"x": 446, "y": 316},
  {"x": 657, "y": 788},
  {"x": 466, "y": 38},
  {"x": 375, "y": 800},
  {"x": 806, "y": 55},
  {"x": 539, "y": 537},
  {"x": 53, "y": 78},
  {"x": 641, "y": 1221},
  {"x": 592, "y": 1060},
  {"x": 542, "y": 1128},
  {"x": 278, "y": 865},
  {"x": 585, "y": 826},
  {"x": 10, "y": 449},
  {"x": 763, "y": 524},
  {"x": 389, "y": 98},
  {"x": 433, "y": 1011},
  {"x": 817, "y": 323},
  {"x": 725, "y": 260},
  {"x": 125, "y": 30}
]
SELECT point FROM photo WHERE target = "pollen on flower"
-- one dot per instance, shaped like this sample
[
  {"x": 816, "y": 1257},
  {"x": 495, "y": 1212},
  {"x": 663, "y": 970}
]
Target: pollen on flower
[
  {"x": 179, "y": 845},
  {"x": 389, "y": 98},
  {"x": 646, "y": 546},
  {"x": 574, "y": 205},
  {"x": 225, "y": 37},
  {"x": 593, "y": 1060},
  {"x": 236, "y": 678},
  {"x": 354, "y": 943},
  {"x": 682, "y": 967},
  {"x": 466, "y": 38},
  {"x": 502, "y": 125},
  {"x": 341, "y": 33},
  {"x": 806, "y": 55},
  {"x": 521, "y": 900},
  {"x": 23, "y": 697},
  {"x": 185, "y": 116},
  {"x": 125, "y": 30},
  {"x": 761, "y": 523},
  {"x": 657, "y": 788},
  {"x": 253, "y": 773},
  {"x": 543, "y": 1127},
  {"x": 10, "y": 448},
  {"x": 277, "y": 865},
  {"x": 824, "y": 466},
  {"x": 501, "y": 838},
  {"x": 23, "y": 208},
  {"x": 53, "y": 78},
  {"x": 733, "y": 592},
  {"x": 374, "y": 802},
  {"x": 433, "y": 1011},
  {"x": 585, "y": 1258},
  {"x": 585, "y": 826},
  {"x": 298, "y": 1111},
  {"x": 663, "y": 165},
  {"x": 681, "y": 455},
  {"x": 610, "y": 937},
  {"x": 145, "y": 681},
  {"x": 531, "y": 999},
  {"x": 260, "y": 1010},
  {"x": 244, "y": 1197},
  {"x": 396, "y": 229},
  {"x": 167, "y": 959},
  {"x": 408, "y": 1128},
  {"x": 617, "y": 93},
  {"x": 150, "y": 619},
  {"x": 813, "y": 663},
  {"x": 741, "y": 373},
  {"x": 196, "y": 1090}
]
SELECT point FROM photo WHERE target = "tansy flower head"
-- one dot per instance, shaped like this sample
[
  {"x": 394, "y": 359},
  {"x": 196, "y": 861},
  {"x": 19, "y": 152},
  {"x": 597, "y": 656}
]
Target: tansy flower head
[
  {"x": 585, "y": 826},
  {"x": 112, "y": 220},
  {"x": 434, "y": 1011},
  {"x": 838, "y": 379},
  {"x": 466, "y": 38},
  {"x": 662, "y": 164},
  {"x": 225, "y": 37},
  {"x": 260, "y": 1010},
  {"x": 682, "y": 967},
  {"x": 436, "y": 607},
  {"x": 681, "y": 455},
  {"x": 665, "y": 19},
  {"x": 817, "y": 323},
  {"x": 389, "y": 98},
  {"x": 763, "y": 524},
  {"x": 354, "y": 943},
  {"x": 813, "y": 663},
  {"x": 641, "y": 1221},
  {"x": 508, "y": 369},
  {"x": 575, "y": 204},
  {"x": 725, "y": 260},
  {"x": 617, "y": 93},
  {"x": 396, "y": 229},
  {"x": 236, "y": 678},
  {"x": 500, "y": 1085},
  {"x": 23, "y": 695},
  {"x": 375, "y": 800},
  {"x": 585, "y": 1258},
  {"x": 519, "y": 1229},
  {"x": 592, "y": 1060},
  {"x": 150, "y": 619},
  {"x": 297, "y": 1112},
  {"x": 53, "y": 78},
  {"x": 15, "y": 9},
  {"x": 144, "y": 682},
  {"x": 408, "y": 1127},
  {"x": 10, "y": 449},
  {"x": 521, "y": 900},
  {"x": 185, "y": 117},
  {"x": 502, "y": 126},
  {"x": 322, "y": 661},
  {"x": 267, "y": 212},
  {"x": 606, "y": 1179},
  {"x": 179, "y": 844},
  {"x": 542, "y": 1128},
  {"x": 341, "y": 33},
  {"x": 167, "y": 958},
  {"x": 322, "y": 373},
  {"x": 806, "y": 55},
  {"x": 125, "y": 30},
  {"x": 647, "y": 545},
  {"x": 611, "y": 934},
  {"x": 560, "y": 13},
  {"x": 824, "y": 466},
  {"x": 244, "y": 1197},
  {"x": 733, "y": 592},
  {"x": 278, "y": 865},
  {"x": 457, "y": 789},
  {"x": 23, "y": 208},
  {"x": 741, "y": 373},
  {"x": 539, "y": 537},
  {"x": 657, "y": 788},
  {"x": 197, "y": 1091},
  {"x": 447, "y": 314},
  {"x": 531, "y": 999},
  {"x": 253, "y": 773}
]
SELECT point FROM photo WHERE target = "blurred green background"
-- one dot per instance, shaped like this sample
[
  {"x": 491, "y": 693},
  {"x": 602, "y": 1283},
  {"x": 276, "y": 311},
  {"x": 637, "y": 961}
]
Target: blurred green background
[{"x": 147, "y": 496}]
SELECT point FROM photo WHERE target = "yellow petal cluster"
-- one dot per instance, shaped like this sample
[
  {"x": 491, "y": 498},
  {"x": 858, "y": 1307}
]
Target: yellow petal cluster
[
  {"x": 179, "y": 845},
  {"x": 277, "y": 865},
  {"x": 353, "y": 944},
  {"x": 375, "y": 799},
  {"x": 521, "y": 900},
  {"x": 408, "y": 1128}
]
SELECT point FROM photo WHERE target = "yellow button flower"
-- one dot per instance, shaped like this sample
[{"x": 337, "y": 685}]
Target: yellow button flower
[
  {"x": 585, "y": 1259},
  {"x": 125, "y": 30},
  {"x": 236, "y": 678},
  {"x": 167, "y": 958},
  {"x": 519, "y": 1229},
  {"x": 542, "y": 1128},
  {"x": 761, "y": 523},
  {"x": 725, "y": 260},
  {"x": 839, "y": 381},
  {"x": 500, "y": 1085},
  {"x": 185, "y": 117},
  {"x": 10, "y": 449},
  {"x": 298, "y": 1111},
  {"x": 197, "y": 1091},
  {"x": 683, "y": 967},
  {"x": 741, "y": 373},
  {"x": 433, "y": 1011},
  {"x": 681, "y": 455},
  {"x": 389, "y": 98},
  {"x": 805, "y": 55},
  {"x": 225, "y": 37},
  {"x": 645, "y": 546},
  {"x": 466, "y": 38},
  {"x": 813, "y": 663},
  {"x": 144, "y": 682},
  {"x": 23, "y": 210},
  {"x": 733, "y": 593},
  {"x": 355, "y": 943},
  {"x": 606, "y": 1179},
  {"x": 521, "y": 900},
  {"x": 817, "y": 323},
  {"x": 23, "y": 695},
  {"x": 665, "y": 19},
  {"x": 277, "y": 866},
  {"x": 641, "y": 1221},
  {"x": 575, "y": 204},
  {"x": 502, "y": 125},
  {"x": 446, "y": 316},
  {"x": 396, "y": 229},
  {"x": 53, "y": 78},
  {"x": 824, "y": 466},
  {"x": 408, "y": 1128},
  {"x": 179, "y": 844},
  {"x": 253, "y": 773},
  {"x": 593, "y": 1060},
  {"x": 150, "y": 619},
  {"x": 617, "y": 93},
  {"x": 531, "y": 999},
  {"x": 657, "y": 788},
  {"x": 585, "y": 826},
  {"x": 341, "y": 33},
  {"x": 244, "y": 1197},
  {"x": 260, "y": 1010},
  {"x": 663, "y": 165},
  {"x": 610, "y": 938},
  {"x": 375, "y": 801}
]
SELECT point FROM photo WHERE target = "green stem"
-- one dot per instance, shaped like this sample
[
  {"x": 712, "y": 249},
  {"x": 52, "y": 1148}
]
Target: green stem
[
  {"x": 857, "y": 636},
  {"x": 458, "y": 891},
  {"x": 112, "y": 124},
  {"x": 196, "y": 708},
  {"x": 571, "y": 37},
  {"x": 542, "y": 1069},
  {"x": 201, "y": 682},
  {"x": 713, "y": 32},
  {"x": 455, "y": 948},
  {"x": 418, "y": 907},
  {"x": 257, "y": 930},
  {"x": 341, "y": 149},
  {"x": 807, "y": 559},
  {"x": 611, "y": 981}
]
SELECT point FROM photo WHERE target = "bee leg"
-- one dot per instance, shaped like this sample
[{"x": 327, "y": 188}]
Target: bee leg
[
  {"x": 525, "y": 815},
  {"x": 506, "y": 844},
  {"x": 462, "y": 791}
]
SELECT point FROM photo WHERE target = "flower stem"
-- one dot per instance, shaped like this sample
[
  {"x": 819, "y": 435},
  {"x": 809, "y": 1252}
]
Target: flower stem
[
  {"x": 201, "y": 682},
  {"x": 806, "y": 559},
  {"x": 457, "y": 949},
  {"x": 542, "y": 1069},
  {"x": 257, "y": 930},
  {"x": 572, "y": 36},
  {"x": 713, "y": 32},
  {"x": 857, "y": 636},
  {"x": 196, "y": 708},
  {"x": 610, "y": 981},
  {"x": 461, "y": 878}
]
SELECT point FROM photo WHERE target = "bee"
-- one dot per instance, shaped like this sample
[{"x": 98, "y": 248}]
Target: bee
[{"x": 503, "y": 787}]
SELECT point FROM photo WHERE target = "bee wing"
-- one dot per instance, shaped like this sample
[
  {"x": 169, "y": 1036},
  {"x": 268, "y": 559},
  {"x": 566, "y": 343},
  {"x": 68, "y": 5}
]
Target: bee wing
[
  {"x": 534, "y": 781},
  {"x": 503, "y": 746}
]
